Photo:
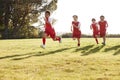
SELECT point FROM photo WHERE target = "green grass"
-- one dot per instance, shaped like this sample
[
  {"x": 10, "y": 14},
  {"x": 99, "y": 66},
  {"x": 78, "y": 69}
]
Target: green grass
[{"x": 24, "y": 60}]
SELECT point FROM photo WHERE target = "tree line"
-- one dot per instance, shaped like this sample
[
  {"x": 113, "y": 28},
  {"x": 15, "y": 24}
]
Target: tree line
[{"x": 69, "y": 35}]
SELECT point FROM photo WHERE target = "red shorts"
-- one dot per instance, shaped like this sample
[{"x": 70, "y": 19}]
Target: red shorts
[
  {"x": 76, "y": 34},
  {"x": 102, "y": 33},
  {"x": 50, "y": 32},
  {"x": 95, "y": 34}
]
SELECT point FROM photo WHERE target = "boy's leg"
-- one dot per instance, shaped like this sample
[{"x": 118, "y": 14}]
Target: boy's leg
[
  {"x": 44, "y": 40},
  {"x": 79, "y": 36},
  {"x": 58, "y": 39},
  {"x": 78, "y": 41},
  {"x": 96, "y": 40},
  {"x": 54, "y": 37},
  {"x": 95, "y": 36},
  {"x": 104, "y": 40}
]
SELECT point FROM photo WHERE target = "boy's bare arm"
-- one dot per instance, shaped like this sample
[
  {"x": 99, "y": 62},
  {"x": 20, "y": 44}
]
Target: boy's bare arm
[
  {"x": 79, "y": 26},
  {"x": 71, "y": 28},
  {"x": 54, "y": 21},
  {"x": 91, "y": 27},
  {"x": 106, "y": 24},
  {"x": 47, "y": 21}
]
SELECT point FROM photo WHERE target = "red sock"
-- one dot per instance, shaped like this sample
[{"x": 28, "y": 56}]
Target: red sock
[
  {"x": 44, "y": 41},
  {"x": 96, "y": 40}
]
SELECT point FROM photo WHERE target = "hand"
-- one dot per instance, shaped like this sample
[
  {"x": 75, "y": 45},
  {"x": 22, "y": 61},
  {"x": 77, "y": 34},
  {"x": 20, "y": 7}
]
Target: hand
[{"x": 73, "y": 24}]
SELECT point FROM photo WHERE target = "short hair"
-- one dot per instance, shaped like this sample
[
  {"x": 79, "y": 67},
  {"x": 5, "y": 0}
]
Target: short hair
[
  {"x": 93, "y": 19},
  {"x": 75, "y": 16},
  {"x": 102, "y": 16},
  {"x": 47, "y": 12}
]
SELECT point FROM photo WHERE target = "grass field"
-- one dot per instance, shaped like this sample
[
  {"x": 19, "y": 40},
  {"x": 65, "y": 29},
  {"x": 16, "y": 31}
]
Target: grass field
[{"x": 24, "y": 60}]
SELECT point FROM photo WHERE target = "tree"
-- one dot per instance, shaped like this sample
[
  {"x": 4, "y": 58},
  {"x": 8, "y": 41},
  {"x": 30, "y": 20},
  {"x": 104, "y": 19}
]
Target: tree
[{"x": 16, "y": 15}]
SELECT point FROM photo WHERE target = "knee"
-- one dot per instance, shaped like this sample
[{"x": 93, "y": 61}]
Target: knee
[{"x": 44, "y": 35}]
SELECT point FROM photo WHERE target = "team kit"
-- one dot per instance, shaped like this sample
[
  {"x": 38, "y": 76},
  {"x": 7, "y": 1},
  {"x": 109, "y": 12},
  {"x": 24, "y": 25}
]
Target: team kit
[{"x": 98, "y": 28}]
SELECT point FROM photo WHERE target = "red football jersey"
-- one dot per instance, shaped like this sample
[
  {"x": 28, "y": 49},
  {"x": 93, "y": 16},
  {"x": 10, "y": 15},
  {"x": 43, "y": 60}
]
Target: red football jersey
[
  {"x": 47, "y": 24},
  {"x": 94, "y": 27},
  {"x": 48, "y": 29},
  {"x": 102, "y": 25},
  {"x": 76, "y": 31},
  {"x": 75, "y": 28}
]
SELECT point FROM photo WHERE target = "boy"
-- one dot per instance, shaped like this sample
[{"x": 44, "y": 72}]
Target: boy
[
  {"x": 94, "y": 27},
  {"x": 75, "y": 28},
  {"x": 103, "y": 26},
  {"x": 49, "y": 30}
]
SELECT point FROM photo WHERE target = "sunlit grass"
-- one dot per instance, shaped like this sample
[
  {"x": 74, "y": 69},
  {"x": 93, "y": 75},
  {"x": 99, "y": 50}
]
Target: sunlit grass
[{"x": 24, "y": 60}]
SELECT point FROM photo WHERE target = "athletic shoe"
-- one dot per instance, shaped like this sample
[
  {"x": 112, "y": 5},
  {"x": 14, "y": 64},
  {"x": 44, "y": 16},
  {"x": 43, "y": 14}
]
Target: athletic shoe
[
  {"x": 42, "y": 46},
  {"x": 97, "y": 43},
  {"x": 78, "y": 45},
  {"x": 60, "y": 41},
  {"x": 103, "y": 43}
]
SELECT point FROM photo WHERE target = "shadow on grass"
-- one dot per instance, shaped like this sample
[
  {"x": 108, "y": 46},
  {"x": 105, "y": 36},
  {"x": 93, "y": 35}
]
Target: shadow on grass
[
  {"x": 87, "y": 50},
  {"x": 117, "y": 52},
  {"x": 84, "y": 48},
  {"x": 92, "y": 50},
  {"x": 112, "y": 48},
  {"x": 17, "y": 55},
  {"x": 42, "y": 54},
  {"x": 53, "y": 52},
  {"x": 116, "y": 48},
  {"x": 28, "y": 55},
  {"x": 20, "y": 58}
]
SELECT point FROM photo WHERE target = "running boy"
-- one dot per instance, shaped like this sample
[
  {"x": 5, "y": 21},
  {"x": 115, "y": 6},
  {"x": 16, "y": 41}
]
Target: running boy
[
  {"x": 103, "y": 26},
  {"x": 49, "y": 30},
  {"x": 75, "y": 28},
  {"x": 94, "y": 27}
]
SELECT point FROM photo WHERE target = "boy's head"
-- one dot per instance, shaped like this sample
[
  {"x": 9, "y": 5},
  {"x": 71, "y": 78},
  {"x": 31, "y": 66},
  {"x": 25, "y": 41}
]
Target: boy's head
[
  {"x": 75, "y": 17},
  {"x": 93, "y": 20},
  {"x": 47, "y": 13},
  {"x": 102, "y": 17}
]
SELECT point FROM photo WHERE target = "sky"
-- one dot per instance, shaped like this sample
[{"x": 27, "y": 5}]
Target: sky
[{"x": 86, "y": 10}]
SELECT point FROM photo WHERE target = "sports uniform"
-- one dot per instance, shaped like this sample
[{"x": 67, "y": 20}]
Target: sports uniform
[
  {"x": 95, "y": 29},
  {"x": 76, "y": 30},
  {"x": 49, "y": 30},
  {"x": 102, "y": 25}
]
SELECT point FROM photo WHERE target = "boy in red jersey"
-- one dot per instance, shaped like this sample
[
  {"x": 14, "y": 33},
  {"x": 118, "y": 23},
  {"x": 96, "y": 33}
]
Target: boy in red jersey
[
  {"x": 49, "y": 30},
  {"x": 94, "y": 27},
  {"x": 103, "y": 26},
  {"x": 75, "y": 28}
]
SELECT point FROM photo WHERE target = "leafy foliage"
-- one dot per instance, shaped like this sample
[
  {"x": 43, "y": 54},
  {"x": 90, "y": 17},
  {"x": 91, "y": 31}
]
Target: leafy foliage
[{"x": 16, "y": 16}]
